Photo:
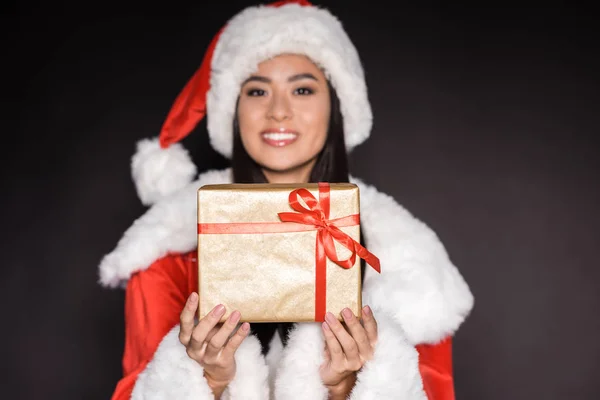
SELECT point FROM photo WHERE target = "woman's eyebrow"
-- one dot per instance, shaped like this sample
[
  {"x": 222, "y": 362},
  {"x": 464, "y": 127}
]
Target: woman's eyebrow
[
  {"x": 293, "y": 78},
  {"x": 306, "y": 75},
  {"x": 257, "y": 78}
]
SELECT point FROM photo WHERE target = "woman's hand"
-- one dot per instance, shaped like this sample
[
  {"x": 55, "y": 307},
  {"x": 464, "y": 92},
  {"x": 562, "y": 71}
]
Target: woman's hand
[
  {"x": 346, "y": 350},
  {"x": 209, "y": 343}
]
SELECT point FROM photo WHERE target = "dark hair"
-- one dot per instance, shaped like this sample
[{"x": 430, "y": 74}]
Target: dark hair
[{"x": 331, "y": 164}]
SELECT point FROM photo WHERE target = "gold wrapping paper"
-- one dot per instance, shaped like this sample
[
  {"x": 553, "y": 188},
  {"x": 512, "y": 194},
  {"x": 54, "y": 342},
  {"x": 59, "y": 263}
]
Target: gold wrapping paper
[{"x": 270, "y": 277}]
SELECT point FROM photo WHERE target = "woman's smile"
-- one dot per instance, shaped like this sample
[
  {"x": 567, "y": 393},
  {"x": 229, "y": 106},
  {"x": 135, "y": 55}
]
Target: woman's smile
[{"x": 279, "y": 137}]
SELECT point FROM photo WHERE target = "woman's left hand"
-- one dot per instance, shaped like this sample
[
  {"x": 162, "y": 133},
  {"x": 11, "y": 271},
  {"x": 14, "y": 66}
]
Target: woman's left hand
[{"x": 346, "y": 350}]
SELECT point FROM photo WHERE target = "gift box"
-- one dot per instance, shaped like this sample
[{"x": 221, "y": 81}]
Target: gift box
[{"x": 279, "y": 252}]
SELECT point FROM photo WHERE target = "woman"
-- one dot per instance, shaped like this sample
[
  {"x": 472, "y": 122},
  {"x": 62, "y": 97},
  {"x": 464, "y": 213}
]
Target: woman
[{"x": 286, "y": 102}]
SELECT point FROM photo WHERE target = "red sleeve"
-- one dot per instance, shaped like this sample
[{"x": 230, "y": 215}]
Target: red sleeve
[
  {"x": 435, "y": 365},
  {"x": 154, "y": 299}
]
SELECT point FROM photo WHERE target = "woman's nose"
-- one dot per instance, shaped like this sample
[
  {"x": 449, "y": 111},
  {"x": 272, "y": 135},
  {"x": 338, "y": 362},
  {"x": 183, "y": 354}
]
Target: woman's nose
[{"x": 280, "y": 108}]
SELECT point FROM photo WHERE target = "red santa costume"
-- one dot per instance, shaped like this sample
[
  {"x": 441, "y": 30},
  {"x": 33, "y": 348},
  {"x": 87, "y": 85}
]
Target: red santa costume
[{"x": 419, "y": 300}]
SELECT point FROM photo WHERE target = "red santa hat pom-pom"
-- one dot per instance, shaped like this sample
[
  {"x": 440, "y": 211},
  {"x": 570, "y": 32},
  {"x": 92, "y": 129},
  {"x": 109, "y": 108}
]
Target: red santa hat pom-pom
[{"x": 158, "y": 172}]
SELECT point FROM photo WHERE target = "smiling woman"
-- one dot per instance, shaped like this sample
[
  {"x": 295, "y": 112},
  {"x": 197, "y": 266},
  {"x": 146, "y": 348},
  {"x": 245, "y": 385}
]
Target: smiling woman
[
  {"x": 283, "y": 119},
  {"x": 286, "y": 104}
]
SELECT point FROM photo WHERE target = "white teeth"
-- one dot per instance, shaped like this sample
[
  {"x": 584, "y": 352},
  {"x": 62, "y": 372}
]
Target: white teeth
[{"x": 279, "y": 136}]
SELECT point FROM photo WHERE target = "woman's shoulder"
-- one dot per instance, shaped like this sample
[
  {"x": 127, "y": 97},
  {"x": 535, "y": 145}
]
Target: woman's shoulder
[
  {"x": 382, "y": 210},
  {"x": 390, "y": 228},
  {"x": 179, "y": 269},
  {"x": 419, "y": 284},
  {"x": 182, "y": 263},
  {"x": 167, "y": 229}
]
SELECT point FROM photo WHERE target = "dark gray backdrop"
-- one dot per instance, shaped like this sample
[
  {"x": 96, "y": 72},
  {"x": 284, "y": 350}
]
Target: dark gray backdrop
[{"x": 485, "y": 125}]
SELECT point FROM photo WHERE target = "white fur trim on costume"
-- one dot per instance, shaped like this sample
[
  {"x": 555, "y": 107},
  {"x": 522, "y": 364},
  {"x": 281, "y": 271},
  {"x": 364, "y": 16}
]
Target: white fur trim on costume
[
  {"x": 251, "y": 380},
  {"x": 259, "y": 33},
  {"x": 159, "y": 172},
  {"x": 168, "y": 226},
  {"x": 272, "y": 358},
  {"x": 298, "y": 373},
  {"x": 173, "y": 375},
  {"x": 393, "y": 373},
  {"x": 419, "y": 286}
]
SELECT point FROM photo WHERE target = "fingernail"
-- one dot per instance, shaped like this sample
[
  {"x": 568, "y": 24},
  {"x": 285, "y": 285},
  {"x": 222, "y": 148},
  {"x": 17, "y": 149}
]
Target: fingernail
[
  {"x": 245, "y": 327},
  {"x": 325, "y": 326},
  {"x": 234, "y": 317},
  {"x": 347, "y": 313},
  {"x": 219, "y": 310},
  {"x": 329, "y": 317},
  {"x": 192, "y": 301},
  {"x": 367, "y": 310}
]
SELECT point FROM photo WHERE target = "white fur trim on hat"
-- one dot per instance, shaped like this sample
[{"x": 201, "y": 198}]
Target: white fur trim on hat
[
  {"x": 158, "y": 172},
  {"x": 252, "y": 36},
  {"x": 259, "y": 33}
]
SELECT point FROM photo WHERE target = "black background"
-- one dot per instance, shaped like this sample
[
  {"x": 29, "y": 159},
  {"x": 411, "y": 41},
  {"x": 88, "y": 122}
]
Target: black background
[{"x": 485, "y": 128}]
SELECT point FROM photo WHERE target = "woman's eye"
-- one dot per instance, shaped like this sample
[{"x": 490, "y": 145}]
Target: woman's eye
[
  {"x": 255, "y": 92},
  {"x": 303, "y": 91}
]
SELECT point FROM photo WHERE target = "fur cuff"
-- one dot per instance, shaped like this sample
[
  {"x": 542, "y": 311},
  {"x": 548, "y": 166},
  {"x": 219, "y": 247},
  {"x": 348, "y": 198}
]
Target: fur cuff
[
  {"x": 393, "y": 373},
  {"x": 251, "y": 380},
  {"x": 173, "y": 375},
  {"x": 298, "y": 375}
]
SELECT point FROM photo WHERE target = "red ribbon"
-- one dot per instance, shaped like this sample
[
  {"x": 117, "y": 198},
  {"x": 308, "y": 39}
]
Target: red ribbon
[{"x": 315, "y": 216}]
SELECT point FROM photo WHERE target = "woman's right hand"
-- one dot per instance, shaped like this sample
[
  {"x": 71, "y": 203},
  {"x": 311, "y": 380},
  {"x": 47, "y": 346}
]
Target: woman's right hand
[{"x": 209, "y": 342}]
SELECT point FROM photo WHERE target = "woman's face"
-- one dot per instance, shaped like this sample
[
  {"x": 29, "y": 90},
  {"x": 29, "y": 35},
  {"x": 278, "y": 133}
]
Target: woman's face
[{"x": 283, "y": 115}]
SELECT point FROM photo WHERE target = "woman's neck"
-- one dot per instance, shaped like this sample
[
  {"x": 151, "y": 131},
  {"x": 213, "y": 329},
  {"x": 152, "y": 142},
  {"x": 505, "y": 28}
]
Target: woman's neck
[
  {"x": 296, "y": 175},
  {"x": 274, "y": 177}
]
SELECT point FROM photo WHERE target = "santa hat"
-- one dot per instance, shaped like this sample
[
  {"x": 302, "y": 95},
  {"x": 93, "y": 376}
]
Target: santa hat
[{"x": 161, "y": 165}]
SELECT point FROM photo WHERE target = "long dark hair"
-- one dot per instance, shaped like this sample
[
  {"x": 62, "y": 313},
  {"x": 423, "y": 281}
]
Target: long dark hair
[{"x": 331, "y": 166}]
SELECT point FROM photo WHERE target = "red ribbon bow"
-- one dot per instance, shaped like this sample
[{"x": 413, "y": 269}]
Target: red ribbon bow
[{"x": 317, "y": 215}]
